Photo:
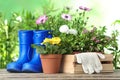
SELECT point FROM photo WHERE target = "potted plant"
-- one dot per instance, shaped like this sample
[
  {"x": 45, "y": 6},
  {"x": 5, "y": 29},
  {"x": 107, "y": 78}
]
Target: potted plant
[
  {"x": 95, "y": 40},
  {"x": 51, "y": 51}
]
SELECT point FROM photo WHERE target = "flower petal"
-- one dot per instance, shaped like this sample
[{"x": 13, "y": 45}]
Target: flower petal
[
  {"x": 64, "y": 29},
  {"x": 41, "y": 19},
  {"x": 73, "y": 31},
  {"x": 66, "y": 17}
]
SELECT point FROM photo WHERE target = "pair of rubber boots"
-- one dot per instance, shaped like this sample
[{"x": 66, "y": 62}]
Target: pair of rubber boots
[{"x": 29, "y": 59}]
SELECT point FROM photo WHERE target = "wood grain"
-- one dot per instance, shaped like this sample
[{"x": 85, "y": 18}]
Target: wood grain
[
  {"x": 70, "y": 65},
  {"x": 4, "y": 75}
]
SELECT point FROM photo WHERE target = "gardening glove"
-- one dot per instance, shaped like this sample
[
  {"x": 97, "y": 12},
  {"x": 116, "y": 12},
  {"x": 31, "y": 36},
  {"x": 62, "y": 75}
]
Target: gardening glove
[
  {"x": 90, "y": 62},
  {"x": 98, "y": 66}
]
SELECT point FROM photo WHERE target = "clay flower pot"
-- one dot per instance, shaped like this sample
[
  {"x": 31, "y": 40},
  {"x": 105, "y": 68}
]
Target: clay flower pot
[{"x": 51, "y": 63}]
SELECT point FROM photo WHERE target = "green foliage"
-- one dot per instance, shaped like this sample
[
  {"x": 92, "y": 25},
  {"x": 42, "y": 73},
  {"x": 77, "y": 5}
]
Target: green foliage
[
  {"x": 116, "y": 22},
  {"x": 25, "y": 20},
  {"x": 94, "y": 40},
  {"x": 115, "y": 47},
  {"x": 49, "y": 49},
  {"x": 115, "y": 50},
  {"x": 8, "y": 40}
]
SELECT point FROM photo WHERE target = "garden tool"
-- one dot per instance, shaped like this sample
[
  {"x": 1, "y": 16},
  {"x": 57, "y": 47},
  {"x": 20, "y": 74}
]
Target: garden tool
[
  {"x": 90, "y": 62},
  {"x": 25, "y": 51},
  {"x": 35, "y": 64}
]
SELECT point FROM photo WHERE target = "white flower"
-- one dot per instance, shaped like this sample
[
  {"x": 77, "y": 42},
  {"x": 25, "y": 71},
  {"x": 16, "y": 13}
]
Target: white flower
[
  {"x": 5, "y": 22},
  {"x": 73, "y": 31},
  {"x": 64, "y": 29},
  {"x": 19, "y": 18}
]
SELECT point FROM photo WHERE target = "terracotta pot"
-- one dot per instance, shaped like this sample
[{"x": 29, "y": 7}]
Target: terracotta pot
[{"x": 51, "y": 63}]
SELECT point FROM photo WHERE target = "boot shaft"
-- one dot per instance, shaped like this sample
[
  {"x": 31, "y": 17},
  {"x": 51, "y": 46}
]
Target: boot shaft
[
  {"x": 25, "y": 36},
  {"x": 25, "y": 49},
  {"x": 40, "y": 35}
]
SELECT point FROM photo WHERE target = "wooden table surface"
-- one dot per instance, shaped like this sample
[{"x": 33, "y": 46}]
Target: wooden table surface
[{"x": 4, "y": 75}]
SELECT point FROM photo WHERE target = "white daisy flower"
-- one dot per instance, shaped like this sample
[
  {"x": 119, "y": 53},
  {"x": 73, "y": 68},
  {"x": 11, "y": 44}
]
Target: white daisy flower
[
  {"x": 64, "y": 29},
  {"x": 73, "y": 31}
]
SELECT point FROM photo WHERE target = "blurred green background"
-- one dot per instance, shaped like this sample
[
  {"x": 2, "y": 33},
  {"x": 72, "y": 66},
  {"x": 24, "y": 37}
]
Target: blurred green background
[{"x": 10, "y": 6}]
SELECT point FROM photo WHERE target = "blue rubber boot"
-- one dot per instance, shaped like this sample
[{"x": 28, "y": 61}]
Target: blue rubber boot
[
  {"x": 25, "y": 51},
  {"x": 35, "y": 64}
]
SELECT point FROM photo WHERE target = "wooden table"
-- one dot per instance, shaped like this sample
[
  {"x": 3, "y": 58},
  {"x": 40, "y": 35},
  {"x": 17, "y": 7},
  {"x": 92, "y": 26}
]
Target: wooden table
[{"x": 4, "y": 75}]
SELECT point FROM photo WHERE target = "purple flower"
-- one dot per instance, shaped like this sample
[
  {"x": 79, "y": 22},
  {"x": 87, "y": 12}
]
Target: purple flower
[
  {"x": 93, "y": 29},
  {"x": 84, "y": 8},
  {"x": 97, "y": 41},
  {"x": 87, "y": 9},
  {"x": 93, "y": 38},
  {"x": 66, "y": 16},
  {"x": 41, "y": 19},
  {"x": 81, "y": 7},
  {"x": 85, "y": 31}
]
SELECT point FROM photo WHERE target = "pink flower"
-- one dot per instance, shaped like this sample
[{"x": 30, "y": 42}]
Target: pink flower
[
  {"x": 84, "y": 8},
  {"x": 41, "y": 19},
  {"x": 93, "y": 29},
  {"x": 97, "y": 41},
  {"x": 81, "y": 7},
  {"x": 85, "y": 31},
  {"x": 93, "y": 38},
  {"x": 66, "y": 16},
  {"x": 87, "y": 9}
]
